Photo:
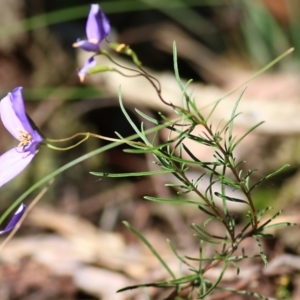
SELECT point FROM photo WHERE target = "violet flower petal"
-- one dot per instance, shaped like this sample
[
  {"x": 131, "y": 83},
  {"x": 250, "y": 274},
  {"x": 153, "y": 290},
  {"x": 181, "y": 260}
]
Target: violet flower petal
[
  {"x": 15, "y": 219},
  {"x": 37, "y": 140},
  {"x": 13, "y": 162},
  {"x": 18, "y": 106},
  {"x": 97, "y": 29},
  {"x": 9, "y": 118},
  {"x": 87, "y": 46},
  {"x": 15, "y": 120},
  {"x": 97, "y": 25},
  {"x": 90, "y": 63}
]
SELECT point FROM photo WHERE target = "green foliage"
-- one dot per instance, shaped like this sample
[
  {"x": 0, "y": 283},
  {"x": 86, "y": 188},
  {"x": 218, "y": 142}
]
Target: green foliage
[
  {"x": 174, "y": 157},
  {"x": 223, "y": 173}
]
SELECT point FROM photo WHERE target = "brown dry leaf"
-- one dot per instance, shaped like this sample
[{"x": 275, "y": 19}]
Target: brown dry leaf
[
  {"x": 102, "y": 283},
  {"x": 91, "y": 243}
]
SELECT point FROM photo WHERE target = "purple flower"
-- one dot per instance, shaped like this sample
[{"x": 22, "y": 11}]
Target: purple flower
[
  {"x": 90, "y": 63},
  {"x": 15, "y": 120},
  {"x": 97, "y": 29},
  {"x": 15, "y": 219}
]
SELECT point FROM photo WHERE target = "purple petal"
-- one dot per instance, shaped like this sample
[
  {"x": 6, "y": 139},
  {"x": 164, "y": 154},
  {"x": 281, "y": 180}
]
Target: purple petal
[
  {"x": 90, "y": 63},
  {"x": 15, "y": 219},
  {"x": 37, "y": 139},
  {"x": 97, "y": 25},
  {"x": 9, "y": 118},
  {"x": 87, "y": 46},
  {"x": 19, "y": 108},
  {"x": 14, "y": 118},
  {"x": 13, "y": 162},
  {"x": 32, "y": 148}
]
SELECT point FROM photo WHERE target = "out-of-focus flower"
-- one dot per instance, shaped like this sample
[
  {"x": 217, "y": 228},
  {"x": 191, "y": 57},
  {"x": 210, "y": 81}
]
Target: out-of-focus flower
[
  {"x": 15, "y": 120},
  {"x": 89, "y": 64},
  {"x": 15, "y": 219},
  {"x": 97, "y": 29},
  {"x": 91, "y": 67}
]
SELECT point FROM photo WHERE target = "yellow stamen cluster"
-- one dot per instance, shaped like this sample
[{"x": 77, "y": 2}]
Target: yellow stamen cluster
[{"x": 25, "y": 138}]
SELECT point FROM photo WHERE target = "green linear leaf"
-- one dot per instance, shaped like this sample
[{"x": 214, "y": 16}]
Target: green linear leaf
[
  {"x": 268, "y": 177},
  {"x": 217, "y": 281},
  {"x": 199, "y": 259},
  {"x": 150, "y": 247},
  {"x": 185, "y": 279},
  {"x": 152, "y": 120},
  {"x": 279, "y": 225},
  {"x": 179, "y": 257},
  {"x": 141, "y": 134},
  {"x": 209, "y": 241},
  {"x": 137, "y": 151},
  {"x": 173, "y": 201},
  {"x": 261, "y": 71},
  {"x": 152, "y": 284},
  {"x": 201, "y": 231},
  {"x": 224, "y": 197},
  {"x": 207, "y": 212},
  {"x": 261, "y": 251},
  {"x": 233, "y": 114},
  {"x": 133, "y": 174},
  {"x": 269, "y": 220},
  {"x": 244, "y": 135},
  {"x": 207, "y": 221}
]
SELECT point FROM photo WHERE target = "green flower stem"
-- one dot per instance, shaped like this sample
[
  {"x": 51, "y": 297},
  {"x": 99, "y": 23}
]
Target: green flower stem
[
  {"x": 122, "y": 48},
  {"x": 106, "y": 54},
  {"x": 67, "y": 148},
  {"x": 86, "y": 137},
  {"x": 102, "y": 68},
  {"x": 140, "y": 72}
]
